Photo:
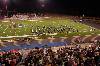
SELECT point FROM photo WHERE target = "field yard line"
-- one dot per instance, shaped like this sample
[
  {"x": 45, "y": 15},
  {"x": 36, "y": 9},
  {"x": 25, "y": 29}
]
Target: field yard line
[
  {"x": 14, "y": 36},
  {"x": 5, "y": 29}
]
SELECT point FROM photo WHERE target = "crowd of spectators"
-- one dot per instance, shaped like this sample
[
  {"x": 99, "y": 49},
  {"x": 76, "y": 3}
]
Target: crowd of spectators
[
  {"x": 66, "y": 56},
  {"x": 10, "y": 58}
]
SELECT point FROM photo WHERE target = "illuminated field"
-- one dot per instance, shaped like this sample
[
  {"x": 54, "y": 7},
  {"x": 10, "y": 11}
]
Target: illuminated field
[{"x": 45, "y": 26}]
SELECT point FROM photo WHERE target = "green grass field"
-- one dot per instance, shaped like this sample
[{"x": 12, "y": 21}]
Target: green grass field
[{"x": 44, "y": 26}]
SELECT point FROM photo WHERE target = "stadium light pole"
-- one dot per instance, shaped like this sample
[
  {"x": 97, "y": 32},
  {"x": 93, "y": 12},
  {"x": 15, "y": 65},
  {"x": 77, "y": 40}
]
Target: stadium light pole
[
  {"x": 5, "y": 3},
  {"x": 6, "y": 6},
  {"x": 42, "y": 5}
]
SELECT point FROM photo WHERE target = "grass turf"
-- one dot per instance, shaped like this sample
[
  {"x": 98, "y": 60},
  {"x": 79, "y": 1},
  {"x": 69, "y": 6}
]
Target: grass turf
[{"x": 8, "y": 29}]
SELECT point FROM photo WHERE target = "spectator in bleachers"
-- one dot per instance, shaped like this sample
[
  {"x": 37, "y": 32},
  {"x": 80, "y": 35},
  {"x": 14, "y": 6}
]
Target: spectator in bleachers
[{"x": 47, "y": 57}]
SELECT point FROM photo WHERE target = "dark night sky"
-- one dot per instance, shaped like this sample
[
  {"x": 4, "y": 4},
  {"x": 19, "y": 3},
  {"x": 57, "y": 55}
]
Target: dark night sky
[{"x": 73, "y": 7}]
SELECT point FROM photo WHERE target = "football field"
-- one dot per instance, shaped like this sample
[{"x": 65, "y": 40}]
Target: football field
[{"x": 45, "y": 26}]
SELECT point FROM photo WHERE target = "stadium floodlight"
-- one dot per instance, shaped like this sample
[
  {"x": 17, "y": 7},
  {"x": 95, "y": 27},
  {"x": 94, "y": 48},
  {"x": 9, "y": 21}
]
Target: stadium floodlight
[
  {"x": 43, "y": 5},
  {"x": 42, "y": 2}
]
